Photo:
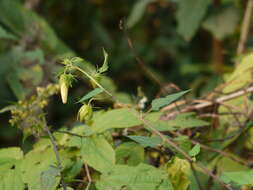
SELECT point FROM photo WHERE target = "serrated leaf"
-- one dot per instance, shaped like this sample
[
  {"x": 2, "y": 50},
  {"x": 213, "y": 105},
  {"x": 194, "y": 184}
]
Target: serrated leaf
[
  {"x": 146, "y": 141},
  {"x": 91, "y": 94},
  {"x": 117, "y": 118},
  {"x": 50, "y": 179},
  {"x": 129, "y": 153},
  {"x": 189, "y": 16},
  {"x": 137, "y": 12},
  {"x": 161, "y": 102},
  {"x": 195, "y": 150},
  {"x": 105, "y": 64},
  {"x": 139, "y": 177},
  {"x": 239, "y": 178},
  {"x": 223, "y": 23},
  {"x": 97, "y": 153}
]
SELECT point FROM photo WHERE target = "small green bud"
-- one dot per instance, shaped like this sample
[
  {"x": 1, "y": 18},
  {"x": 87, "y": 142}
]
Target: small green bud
[{"x": 85, "y": 113}]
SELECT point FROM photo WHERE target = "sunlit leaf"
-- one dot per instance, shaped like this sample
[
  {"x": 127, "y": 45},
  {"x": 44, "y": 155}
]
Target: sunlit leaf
[
  {"x": 105, "y": 64},
  {"x": 195, "y": 150},
  {"x": 50, "y": 178},
  {"x": 117, "y": 118},
  {"x": 139, "y": 177},
  {"x": 97, "y": 153}
]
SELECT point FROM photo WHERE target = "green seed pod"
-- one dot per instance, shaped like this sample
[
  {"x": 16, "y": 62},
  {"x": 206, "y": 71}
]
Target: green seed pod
[{"x": 85, "y": 113}]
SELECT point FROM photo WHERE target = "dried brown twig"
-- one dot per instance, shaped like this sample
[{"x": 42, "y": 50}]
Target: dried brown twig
[{"x": 204, "y": 103}]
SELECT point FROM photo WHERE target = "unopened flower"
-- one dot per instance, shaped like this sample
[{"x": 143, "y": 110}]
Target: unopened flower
[
  {"x": 65, "y": 82},
  {"x": 85, "y": 113}
]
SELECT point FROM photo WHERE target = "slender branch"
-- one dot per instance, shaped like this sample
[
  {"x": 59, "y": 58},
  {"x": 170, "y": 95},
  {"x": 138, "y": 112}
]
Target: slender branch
[
  {"x": 208, "y": 103},
  {"x": 57, "y": 155},
  {"x": 88, "y": 176},
  {"x": 245, "y": 27}
]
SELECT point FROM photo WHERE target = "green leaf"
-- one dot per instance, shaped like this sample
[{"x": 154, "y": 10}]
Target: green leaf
[
  {"x": 105, "y": 64},
  {"x": 239, "y": 178},
  {"x": 139, "y": 177},
  {"x": 13, "y": 152},
  {"x": 11, "y": 180},
  {"x": 50, "y": 179},
  {"x": 161, "y": 102},
  {"x": 129, "y": 153},
  {"x": 117, "y": 118},
  {"x": 6, "y": 35},
  {"x": 195, "y": 150},
  {"x": 189, "y": 15},
  {"x": 186, "y": 120},
  {"x": 137, "y": 12},
  {"x": 97, "y": 153},
  {"x": 146, "y": 141},
  {"x": 16, "y": 85},
  {"x": 223, "y": 23},
  {"x": 35, "y": 163},
  {"x": 35, "y": 55},
  {"x": 91, "y": 94}
]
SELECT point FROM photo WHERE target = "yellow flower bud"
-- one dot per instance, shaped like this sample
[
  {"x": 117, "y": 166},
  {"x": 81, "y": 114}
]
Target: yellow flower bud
[
  {"x": 64, "y": 88},
  {"x": 85, "y": 113},
  {"x": 65, "y": 82}
]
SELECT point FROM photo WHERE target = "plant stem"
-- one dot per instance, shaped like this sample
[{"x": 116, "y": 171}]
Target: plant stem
[
  {"x": 93, "y": 80},
  {"x": 57, "y": 155}
]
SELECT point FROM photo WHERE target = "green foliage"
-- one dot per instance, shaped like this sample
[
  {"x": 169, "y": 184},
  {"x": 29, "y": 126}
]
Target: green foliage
[
  {"x": 117, "y": 118},
  {"x": 123, "y": 140},
  {"x": 140, "y": 177},
  {"x": 189, "y": 16},
  {"x": 161, "y": 102}
]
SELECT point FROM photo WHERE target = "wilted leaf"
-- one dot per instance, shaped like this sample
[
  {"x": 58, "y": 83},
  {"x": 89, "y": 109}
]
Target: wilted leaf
[
  {"x": 117, "y": 118},
  {"x": 161, "y": 102},
  {"x": 189, "y": 16},
  {"x": 179, "y": 170},
  {"x": 91, "y": 94}
]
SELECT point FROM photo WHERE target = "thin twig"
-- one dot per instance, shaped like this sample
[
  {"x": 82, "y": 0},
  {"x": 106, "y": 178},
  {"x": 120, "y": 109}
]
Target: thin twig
[
  {"x": 57, "y": 155},
  {"x": 88, "y": 176},
  {"x": 245, "y": 27},
  {"x": 208, "y": 103}
]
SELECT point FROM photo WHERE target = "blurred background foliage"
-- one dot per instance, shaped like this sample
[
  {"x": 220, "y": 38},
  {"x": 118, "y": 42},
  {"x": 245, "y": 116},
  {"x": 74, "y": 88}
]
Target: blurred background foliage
[{"x": 160, "y": 45}]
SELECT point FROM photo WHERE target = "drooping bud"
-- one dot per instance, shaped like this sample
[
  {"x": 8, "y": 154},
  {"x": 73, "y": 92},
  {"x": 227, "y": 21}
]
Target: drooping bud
[
  {"x": 85, "y": 113},
  {"x": 65, "y": 82}
]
